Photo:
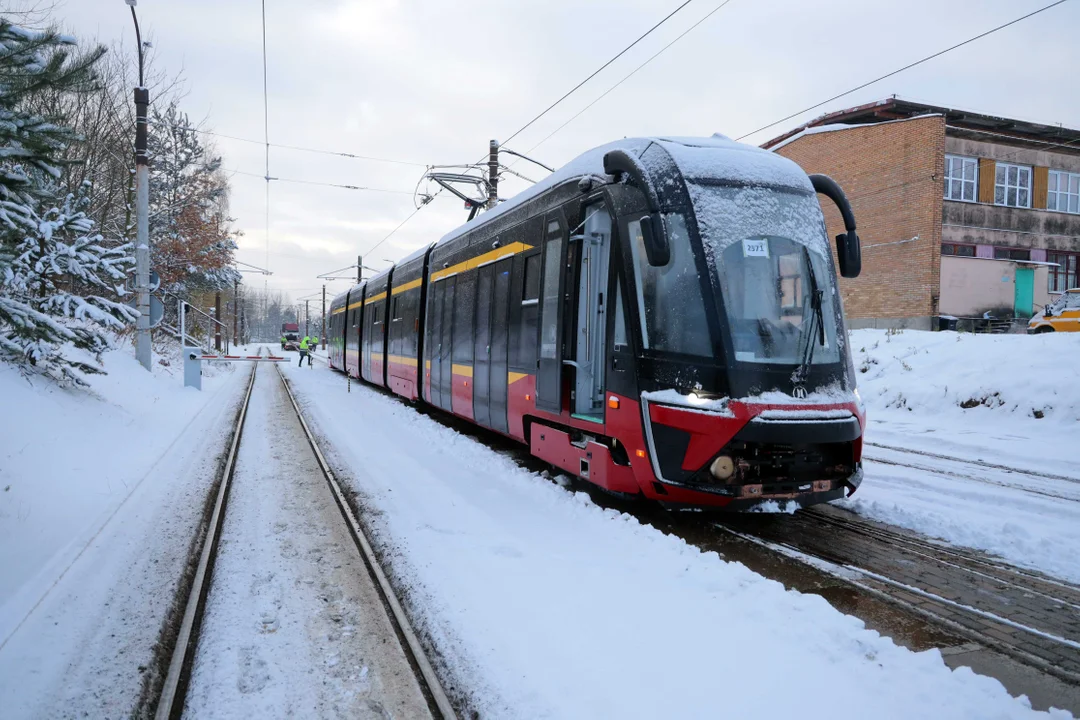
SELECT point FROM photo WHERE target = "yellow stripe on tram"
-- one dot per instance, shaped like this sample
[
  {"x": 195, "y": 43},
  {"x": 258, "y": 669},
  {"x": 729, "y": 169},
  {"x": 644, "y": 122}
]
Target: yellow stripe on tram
[
  {"x": 490, "y": 256},
  {"x": 376, "y": 298},
  {"x": 464, "y": 370},
  {"x": 411, "y": 285}
]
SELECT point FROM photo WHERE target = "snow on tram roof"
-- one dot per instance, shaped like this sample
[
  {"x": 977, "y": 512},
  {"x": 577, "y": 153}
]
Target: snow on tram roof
[{"x": 716, "y": 158}]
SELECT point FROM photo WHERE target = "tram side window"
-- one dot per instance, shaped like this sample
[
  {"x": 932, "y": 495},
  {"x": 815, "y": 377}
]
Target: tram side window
[
  {"x": 523, "y": 331},
  {"x": 670, "y": 302},
  {"x": 549, "y": 313},
  {"x": 621, "y": 334},
  {"x": 532, "y": 280}
]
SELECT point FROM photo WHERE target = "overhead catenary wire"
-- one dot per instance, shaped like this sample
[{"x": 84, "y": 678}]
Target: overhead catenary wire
[
  {"x": 905, "y": 67},
  {"x": 627, "y": 77},
  {"x": 266, "y": 139},
  {"x": 299, "y": 148},
  {"x": 272, "y": 178},
  {"x": 400, "y": 225},
  {"x": 548, "y": 109},
  {"x": 596, "y": 72}
]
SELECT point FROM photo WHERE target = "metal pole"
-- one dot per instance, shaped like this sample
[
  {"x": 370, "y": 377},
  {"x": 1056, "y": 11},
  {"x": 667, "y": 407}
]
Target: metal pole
[
  {"x": 493, "y": 174},
  {"x": 142, "y": 226},
  {"x": 307, "y": 317},
  {"x": 217, "y": 325},
  {"x": 180, "y": 311},
  {"x": 235, "y": 309},
  {"x": 322, "y": 327},
  {"x": 359, "y": 268},
  {"x": 142, "y": 203}
]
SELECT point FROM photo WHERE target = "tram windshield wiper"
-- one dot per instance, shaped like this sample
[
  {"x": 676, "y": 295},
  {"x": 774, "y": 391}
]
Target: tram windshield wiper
[{"x": 815, "y": 332}]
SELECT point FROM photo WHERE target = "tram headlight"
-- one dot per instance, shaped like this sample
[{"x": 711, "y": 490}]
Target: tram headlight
[{"x": 722, "y": 468}]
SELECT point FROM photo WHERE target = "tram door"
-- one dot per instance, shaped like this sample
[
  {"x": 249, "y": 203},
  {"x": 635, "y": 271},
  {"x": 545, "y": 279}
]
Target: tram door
[
  {"x": 438, "y": 349},
  {"x": 590, "y": 345},
  {"x": 490, "y": 344},
  {"x": 485, "y": 283},
  {"x": 446, "y": 346},
  {"x": 549, "y": 364}
]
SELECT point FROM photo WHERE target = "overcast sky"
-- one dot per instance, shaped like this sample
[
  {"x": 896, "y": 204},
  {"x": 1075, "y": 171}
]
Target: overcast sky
[{"x": 431, "y": 81}]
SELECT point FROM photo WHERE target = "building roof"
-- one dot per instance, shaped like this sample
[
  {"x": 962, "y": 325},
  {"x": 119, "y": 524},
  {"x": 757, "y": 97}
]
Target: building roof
[{"x": 960, "y": 123}]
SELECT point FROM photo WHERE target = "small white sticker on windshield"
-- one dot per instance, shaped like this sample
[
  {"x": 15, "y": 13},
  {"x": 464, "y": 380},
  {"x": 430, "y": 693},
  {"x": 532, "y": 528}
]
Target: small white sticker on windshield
[{"x": 755, "y": 248}]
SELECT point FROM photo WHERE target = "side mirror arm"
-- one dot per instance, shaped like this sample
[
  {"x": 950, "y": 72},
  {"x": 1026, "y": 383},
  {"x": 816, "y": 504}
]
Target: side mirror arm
[
  {"x": 848, "y": 248},
  {"x": 618, "y": 162}
]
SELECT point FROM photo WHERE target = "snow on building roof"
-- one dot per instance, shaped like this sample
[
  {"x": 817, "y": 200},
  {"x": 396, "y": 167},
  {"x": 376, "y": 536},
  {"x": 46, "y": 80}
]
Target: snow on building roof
[
  {"x": 833, "y": 127},
  {"x": 960, "y": 122}
]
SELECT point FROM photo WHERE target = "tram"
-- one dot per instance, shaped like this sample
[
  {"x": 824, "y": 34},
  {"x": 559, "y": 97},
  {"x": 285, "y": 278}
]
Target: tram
[{"x": 660, "y": 317}]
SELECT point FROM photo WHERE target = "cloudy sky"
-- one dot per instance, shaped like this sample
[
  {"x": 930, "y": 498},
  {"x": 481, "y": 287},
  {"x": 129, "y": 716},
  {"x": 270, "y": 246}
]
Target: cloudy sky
[{"x": 431, "y": 81}]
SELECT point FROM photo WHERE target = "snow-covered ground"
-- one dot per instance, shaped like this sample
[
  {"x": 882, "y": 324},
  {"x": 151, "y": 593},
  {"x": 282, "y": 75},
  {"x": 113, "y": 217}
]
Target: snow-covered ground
[
  {"x": 986, "y": 400},
  {"x": 100, "y": 493},
  {"x": 545, "y": 605}
]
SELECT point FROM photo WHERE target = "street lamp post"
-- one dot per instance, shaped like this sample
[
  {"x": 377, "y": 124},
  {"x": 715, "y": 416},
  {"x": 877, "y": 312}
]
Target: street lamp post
[{"x": 142, "y": 206}]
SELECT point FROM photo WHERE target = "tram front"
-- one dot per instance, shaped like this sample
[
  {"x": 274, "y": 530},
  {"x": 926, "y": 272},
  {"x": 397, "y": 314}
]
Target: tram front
[{"x": 745, "y": 377}]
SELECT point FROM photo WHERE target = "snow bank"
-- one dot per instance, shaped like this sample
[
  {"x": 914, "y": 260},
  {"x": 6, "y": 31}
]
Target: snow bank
[
  {"x": 544, "y": 605},
  {"x": 100, "y": 492},
  {"x": 966, "y": 375},
  {"x": 1010, "y": 401}
]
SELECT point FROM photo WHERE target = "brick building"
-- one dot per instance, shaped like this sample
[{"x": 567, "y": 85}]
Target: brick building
[{"x": 959, "y": 213}]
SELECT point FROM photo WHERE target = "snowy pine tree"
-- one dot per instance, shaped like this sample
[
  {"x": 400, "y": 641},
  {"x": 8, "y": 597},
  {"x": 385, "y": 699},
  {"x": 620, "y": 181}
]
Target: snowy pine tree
[
  {"x": 192, "y": 243},
  {"x": 55, "y": 274}
]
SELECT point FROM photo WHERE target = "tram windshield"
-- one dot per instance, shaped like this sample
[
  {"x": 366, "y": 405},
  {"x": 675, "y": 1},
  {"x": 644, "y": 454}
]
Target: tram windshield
[{"x": 769, "y": 250}]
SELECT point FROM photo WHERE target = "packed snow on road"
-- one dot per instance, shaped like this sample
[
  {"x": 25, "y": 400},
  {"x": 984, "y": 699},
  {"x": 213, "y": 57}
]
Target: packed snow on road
[{"x": 542, "y": 604}]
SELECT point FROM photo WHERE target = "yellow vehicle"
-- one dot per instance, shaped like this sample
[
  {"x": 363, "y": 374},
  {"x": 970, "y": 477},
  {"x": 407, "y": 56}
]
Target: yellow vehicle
[{"x": 1063, "y": 315}]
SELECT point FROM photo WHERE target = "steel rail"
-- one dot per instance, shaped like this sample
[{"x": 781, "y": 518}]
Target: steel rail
[
  {"x": 843, "y": 571},
  {"x": 965, "y": 476},
  {"x": 954, "y": 557},
  {"x": 171, "y": 700},
  {"x": 978, "y": 463},
  {"x": 428, "y": 677}
]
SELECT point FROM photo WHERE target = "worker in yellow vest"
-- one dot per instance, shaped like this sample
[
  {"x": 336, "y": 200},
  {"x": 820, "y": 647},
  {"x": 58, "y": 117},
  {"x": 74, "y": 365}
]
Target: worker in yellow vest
[{"x": 305, "y": 346}]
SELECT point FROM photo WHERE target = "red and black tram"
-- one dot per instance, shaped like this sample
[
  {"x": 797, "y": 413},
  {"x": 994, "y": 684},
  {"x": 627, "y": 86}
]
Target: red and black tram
[{"x": 659, "y": 317}]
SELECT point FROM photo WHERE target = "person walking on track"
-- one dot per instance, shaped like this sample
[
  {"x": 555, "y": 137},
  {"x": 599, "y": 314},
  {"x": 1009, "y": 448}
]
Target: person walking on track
[{"x": 305, "y": 346}]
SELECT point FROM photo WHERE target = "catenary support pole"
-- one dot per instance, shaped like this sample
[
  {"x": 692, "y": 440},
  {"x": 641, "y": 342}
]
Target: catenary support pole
[
  {"x": 307, "y": 317},
  {"x": 217, "y": 325},
  {"x": 142, "y": 215},
  {"x": 322, "y": 325},
  {"x": 180, "y": 312},
  {"x": 142, "y": 229},
  {"x": 235, "y": 310},
  {"x": 359, "y": 268},
  {"x": 493, "y": 174}
]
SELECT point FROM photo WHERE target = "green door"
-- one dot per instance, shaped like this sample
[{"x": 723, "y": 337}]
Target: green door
[{"x": 1025, "y": 292}]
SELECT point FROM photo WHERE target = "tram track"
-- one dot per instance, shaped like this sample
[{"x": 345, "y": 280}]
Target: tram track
[
  {"x": 172, "y": 698},
  {"x": 969, "y": 476},
  {"x": 1031, "y": 618},
  {"x": 972, "y": 463}
]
